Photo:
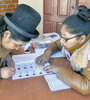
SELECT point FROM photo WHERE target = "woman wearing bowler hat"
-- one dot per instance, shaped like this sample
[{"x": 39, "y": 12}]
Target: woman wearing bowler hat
[{"x": 16, "y": 30}]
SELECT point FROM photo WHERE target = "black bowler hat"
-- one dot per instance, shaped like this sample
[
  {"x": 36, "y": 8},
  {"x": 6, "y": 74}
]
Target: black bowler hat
[{"x": 24, "y": 20}]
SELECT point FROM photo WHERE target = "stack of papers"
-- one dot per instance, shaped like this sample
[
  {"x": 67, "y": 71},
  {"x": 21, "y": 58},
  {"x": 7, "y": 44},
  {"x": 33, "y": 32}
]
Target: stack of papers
[
  {"x": 26, "y": 67},
  {"x": 54, "y": 83}
]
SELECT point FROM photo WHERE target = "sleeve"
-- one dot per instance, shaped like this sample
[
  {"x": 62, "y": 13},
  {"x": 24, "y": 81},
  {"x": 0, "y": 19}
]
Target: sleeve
[
  {"x": 80, "y": 83},
  {"x": 55, "y": 46}
]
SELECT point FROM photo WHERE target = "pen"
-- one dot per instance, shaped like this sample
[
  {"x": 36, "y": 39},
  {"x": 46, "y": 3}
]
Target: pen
[{"x": 7, "y": 62}]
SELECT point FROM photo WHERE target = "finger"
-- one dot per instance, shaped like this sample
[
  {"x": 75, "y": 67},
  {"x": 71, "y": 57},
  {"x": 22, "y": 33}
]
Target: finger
[
  {"x": 13, "y": 69},
  {"x": 49, "y": 70},
  {"x": 41, "y": 61},
  {"x": 11, "y": 73},
  {"x": 44, "y": 60},
  {"x": 47, "y": 67},
  {"x": 36, "y": 60}
]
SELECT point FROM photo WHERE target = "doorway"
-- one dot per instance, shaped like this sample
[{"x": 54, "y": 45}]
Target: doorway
[{"x": 55, "y": 11}]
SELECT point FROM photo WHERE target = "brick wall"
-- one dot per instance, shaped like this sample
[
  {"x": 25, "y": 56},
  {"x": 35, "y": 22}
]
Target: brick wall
[
  {"x": 8, "y": 6},
  {"x": 85, "y": 2}
]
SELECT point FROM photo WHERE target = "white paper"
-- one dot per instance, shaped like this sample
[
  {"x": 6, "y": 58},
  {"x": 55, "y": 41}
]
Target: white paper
[
  {"x": 40, "y": 50},
  {"x": 25, "y": 57},
  {"x": 26, "y": 67},
  {"x": 54, "y": 83},
  {"x": 28, "y": 60}
]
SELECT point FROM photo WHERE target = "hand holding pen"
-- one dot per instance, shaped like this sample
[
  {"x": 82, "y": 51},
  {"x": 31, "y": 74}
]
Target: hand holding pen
[
  {"x": 8, "y": 63},
  {"x": 7, "y": 72}
]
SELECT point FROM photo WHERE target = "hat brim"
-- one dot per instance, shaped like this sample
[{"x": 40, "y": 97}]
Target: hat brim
[{"x": 14, "y": 26}]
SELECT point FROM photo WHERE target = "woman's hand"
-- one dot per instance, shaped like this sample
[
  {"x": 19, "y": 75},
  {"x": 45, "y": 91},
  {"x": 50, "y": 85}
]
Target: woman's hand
[
  {"x": 43, "y": 58},
  {"x": 53, "y": 68},
  {"x": 7, "y": 72}
]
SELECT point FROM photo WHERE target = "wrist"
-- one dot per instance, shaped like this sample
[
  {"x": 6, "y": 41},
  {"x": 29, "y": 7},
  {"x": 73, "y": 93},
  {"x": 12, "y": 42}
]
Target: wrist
[{"x": 48, "y": 52}]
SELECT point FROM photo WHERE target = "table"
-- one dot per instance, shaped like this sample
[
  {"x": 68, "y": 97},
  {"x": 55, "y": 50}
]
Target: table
[
  {"x": 36, "y": 88},
  {"x": 21, "y": 51}
]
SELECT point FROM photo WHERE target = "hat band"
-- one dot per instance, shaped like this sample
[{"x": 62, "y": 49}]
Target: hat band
[{"x": 19, "y": 30}]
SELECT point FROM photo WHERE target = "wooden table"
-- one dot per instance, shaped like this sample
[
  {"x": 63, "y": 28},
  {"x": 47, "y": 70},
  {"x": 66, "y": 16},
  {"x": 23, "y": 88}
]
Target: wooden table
[{"x": 36, "y": 88}]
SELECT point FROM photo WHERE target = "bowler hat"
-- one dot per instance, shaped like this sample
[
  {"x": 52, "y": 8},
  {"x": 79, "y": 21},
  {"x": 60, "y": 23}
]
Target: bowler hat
[{"x": 24, "y": 20}]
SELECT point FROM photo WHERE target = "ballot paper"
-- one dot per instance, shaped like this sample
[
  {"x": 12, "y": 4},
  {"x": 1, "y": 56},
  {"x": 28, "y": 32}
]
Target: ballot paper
[
  {"x": 26, "y": 67},
  {"x": 54, "y": 83}
]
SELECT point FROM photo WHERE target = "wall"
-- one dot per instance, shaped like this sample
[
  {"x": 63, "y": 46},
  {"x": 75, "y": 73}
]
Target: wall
[
  {"x": 84, "y": 2},
  {"x": 8, "y": 6},
  {"x": 38, "y": 5}
]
